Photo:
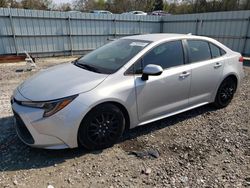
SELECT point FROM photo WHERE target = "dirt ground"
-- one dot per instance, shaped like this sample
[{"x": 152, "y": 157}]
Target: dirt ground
[{"x": 199, "y": 148}]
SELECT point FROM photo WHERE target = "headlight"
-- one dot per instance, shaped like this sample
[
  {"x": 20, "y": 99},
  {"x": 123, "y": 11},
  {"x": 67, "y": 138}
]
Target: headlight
[{"x": 50, "y": 107}]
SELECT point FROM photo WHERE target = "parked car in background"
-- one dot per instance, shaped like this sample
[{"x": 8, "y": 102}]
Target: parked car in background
[
  {"x": 159, "y": 13},
  {"x": 126, "y": 83},
  {"x": 101, "y": 12},
  {"x": 140, "y": 13},
  {"x": 74, "y": 12}
]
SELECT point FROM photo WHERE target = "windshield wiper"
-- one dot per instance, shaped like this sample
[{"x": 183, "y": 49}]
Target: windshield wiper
[{"x": 86, "y": 66}]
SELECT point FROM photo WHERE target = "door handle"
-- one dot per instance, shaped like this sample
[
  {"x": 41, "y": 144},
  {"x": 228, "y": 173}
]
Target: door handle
[
  {"x": 184, "y": 74},
  {"x": 217, "y": 65}
]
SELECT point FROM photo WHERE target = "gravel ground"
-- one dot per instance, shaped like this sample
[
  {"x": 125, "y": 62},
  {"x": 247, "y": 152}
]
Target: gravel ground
[{"x": 199, "y": 148}]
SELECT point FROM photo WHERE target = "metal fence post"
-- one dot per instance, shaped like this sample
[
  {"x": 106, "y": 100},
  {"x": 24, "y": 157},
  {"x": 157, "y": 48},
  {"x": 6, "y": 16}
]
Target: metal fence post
[
  {"x": 114, "y": 31},
  {"x": 70, "y": 36},
  {"x": 161, "y": 25},
  {"x": 246, "y": 37},
  {"x": 197, "y": 26},
  {"x": 139, "y": 23},
  {"x": 13, "y": 33}
]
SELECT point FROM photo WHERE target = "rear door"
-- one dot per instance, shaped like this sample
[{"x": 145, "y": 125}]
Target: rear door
[{"x": 207, "y": 65}]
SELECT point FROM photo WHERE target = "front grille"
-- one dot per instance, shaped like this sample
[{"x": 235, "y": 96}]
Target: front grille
[{"x": 22, "y": 130}]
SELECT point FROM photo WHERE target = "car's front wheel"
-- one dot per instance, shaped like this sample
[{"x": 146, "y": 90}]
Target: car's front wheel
[
  {"x": 225, "y": 93},
  {"x": 101, "y": 127}
]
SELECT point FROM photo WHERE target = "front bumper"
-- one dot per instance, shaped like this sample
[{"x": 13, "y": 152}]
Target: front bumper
[
  {"x": 58, "y": 131},
  {"x": 22, "y": 130}
]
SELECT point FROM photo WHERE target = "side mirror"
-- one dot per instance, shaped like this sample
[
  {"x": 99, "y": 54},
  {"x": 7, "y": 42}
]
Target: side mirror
[{"x": 151, "y": 70}]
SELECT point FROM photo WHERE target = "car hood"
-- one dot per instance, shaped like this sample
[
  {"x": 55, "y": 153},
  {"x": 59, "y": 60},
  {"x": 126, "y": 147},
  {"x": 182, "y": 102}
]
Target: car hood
[{"x": 58, "y": 82}]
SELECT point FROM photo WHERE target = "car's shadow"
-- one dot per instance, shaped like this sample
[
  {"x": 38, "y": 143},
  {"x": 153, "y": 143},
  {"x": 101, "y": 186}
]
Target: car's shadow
[{"x": 15, "y": 155}]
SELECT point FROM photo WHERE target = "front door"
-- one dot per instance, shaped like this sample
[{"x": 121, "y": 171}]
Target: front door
[{"x": 167, "y": 93}]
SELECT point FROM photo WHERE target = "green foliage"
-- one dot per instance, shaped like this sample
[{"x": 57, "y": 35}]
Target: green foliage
[
  {"x": 199, "y": 6},
  {"x": 3, "y": 3},
  {"x": 80, "y": 5},
  {"x": 186, "y": 7},
  {"x": 36, "y": 4},
  {"x": 100, "y": 4},
  {"x": 9, "y": 3},
  {"x": 158, "y": 5},
  {"x": 120, "y": 6},
  {"x": 64, "y": 7},
  {"x": 14, "y": 4}
]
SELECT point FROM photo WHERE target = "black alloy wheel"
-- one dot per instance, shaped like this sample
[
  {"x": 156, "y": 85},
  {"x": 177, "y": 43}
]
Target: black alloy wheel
[
  {"x": 225, "y": 93},
  {"x": 102, "y": 127}
]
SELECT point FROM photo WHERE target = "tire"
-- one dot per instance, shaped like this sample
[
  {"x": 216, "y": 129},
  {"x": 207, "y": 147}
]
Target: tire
[
  {"x": 225, "y": 93},
  {"x": 101, "y": 127}
]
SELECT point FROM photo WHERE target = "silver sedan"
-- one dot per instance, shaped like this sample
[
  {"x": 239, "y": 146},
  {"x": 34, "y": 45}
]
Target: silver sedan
[{"x": 126, "y": 83}]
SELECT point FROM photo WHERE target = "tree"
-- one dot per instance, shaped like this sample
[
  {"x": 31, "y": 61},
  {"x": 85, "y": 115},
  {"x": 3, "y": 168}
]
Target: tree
[
  {"x": 86, "y": 5},
  {"x": 3, "y": 3},
  {"x": 246, "y": 5},
  {"x": 177, "y": 7},
  {"x": 214, "y": 6},
  {"x": 64, "y": 7},
  {"x": 36, "y": 4},
  {"x": 100, "y": 4},
  {"x": 14, "y": 4},
  {"x": 10, "y": 4},
  {"x": 79, "y": 5},
  {"x": 228, "y": 5},
  {"x": 158, "y": 5},
  {"x": 118, "y": 6}
]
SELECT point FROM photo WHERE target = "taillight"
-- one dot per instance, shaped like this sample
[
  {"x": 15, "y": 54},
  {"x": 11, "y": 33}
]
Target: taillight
[{"x": 241, "y": 59}]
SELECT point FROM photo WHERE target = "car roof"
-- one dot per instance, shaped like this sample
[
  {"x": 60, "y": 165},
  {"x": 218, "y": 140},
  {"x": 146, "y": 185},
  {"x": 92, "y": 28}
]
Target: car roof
[{"x": 160, "y": 36}]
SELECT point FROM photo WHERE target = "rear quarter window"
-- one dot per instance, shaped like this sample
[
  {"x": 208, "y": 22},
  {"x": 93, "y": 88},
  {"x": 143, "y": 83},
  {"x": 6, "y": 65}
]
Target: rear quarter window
[
  {"x": 222, "y": 52},
  {"x": 216, "y": 51}
]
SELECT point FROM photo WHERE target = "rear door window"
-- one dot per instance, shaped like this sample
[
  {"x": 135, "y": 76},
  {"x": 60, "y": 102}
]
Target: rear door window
[{"x": 198, "y": 50}]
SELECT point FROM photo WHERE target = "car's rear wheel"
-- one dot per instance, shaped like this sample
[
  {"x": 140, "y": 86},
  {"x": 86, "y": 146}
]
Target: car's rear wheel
[
  {"x": 101, "y": 127},
  {"x": 225, "y": 93}
]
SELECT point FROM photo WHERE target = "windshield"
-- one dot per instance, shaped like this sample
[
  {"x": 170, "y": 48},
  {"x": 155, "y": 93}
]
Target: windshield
[{"x": 112, "y": 56}]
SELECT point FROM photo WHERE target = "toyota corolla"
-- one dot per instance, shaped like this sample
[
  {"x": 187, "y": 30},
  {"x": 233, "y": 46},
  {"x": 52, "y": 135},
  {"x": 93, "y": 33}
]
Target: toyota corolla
[{"x": 126, "y": 83}]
